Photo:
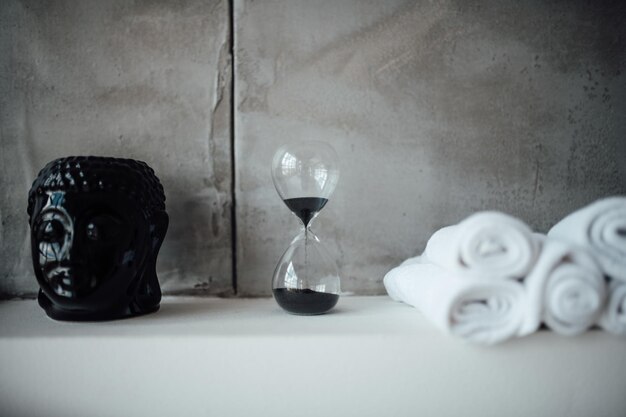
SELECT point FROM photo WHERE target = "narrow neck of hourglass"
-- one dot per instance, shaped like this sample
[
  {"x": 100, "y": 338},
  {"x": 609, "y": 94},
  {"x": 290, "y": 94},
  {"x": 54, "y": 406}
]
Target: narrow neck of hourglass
[
  {"x": 307, "y": 233},
  {"x": 307, "y": 226}
]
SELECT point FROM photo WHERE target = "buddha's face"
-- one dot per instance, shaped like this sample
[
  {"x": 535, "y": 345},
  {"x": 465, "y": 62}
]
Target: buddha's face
[{"x": 88, "y": 248}]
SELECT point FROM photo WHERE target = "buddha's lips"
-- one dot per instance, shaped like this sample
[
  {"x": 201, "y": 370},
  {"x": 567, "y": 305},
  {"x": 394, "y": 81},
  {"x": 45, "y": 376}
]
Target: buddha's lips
[
  {"x": 66, "y": 280},
  {"x": 62, "y": 273}
]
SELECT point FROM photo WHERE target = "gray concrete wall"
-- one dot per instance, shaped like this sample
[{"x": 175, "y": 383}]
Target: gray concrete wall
[
  {"x": 436, "y": 109},
  {"x": 148, "y": 80}
]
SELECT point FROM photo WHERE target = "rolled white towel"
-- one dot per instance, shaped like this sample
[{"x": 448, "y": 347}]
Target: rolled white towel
[
  {"x": 485, "y": 245},
  {"x": 600, "y": 226},
  {"x": 613, "y": 319},
  {"x": 566, "y": 288},
  {"x": 480, "y": 311},
  {"x": 390, "y": 284},
  {"x": 420, "y": 259}
]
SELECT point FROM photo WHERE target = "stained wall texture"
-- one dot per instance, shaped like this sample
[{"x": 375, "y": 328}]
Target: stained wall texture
[
  {"x": 148, "y": 80},
  {"x": 437, "y": 109}
]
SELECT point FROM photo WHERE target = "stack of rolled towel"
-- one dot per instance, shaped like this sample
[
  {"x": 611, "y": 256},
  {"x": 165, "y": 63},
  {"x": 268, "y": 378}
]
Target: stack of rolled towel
[{"x": 490, "y": 278}]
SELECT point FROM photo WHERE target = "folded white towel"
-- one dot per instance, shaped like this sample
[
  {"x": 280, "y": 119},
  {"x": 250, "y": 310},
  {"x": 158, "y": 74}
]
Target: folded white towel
[
  {"x": 601, "y": 226},
  {"x": 390, "y": 284},
  {"x": 485, "y": 245},
  {"x": 566, "y": 288},
  {"x": 613, "y": 319},
  {"x": 480, "y": 311}
]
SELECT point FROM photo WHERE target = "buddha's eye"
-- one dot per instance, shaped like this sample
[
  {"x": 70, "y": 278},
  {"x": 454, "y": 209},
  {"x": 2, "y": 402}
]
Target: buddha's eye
[
  {"x": 51, "y": 231},
  {"x": 92, "y": 232},
  {"x": 103, "y": 228}
]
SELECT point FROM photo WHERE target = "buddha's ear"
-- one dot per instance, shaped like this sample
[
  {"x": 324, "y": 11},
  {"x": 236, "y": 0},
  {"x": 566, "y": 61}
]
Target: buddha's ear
[{"x": 160, "y": 220}]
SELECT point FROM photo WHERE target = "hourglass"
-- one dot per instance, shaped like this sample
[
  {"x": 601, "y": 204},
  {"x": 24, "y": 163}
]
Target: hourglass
[{"x": 306, "y": 280}]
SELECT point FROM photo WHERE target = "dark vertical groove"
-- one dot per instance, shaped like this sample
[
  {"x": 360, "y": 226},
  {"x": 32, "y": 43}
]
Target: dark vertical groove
[{"x": 233, "y": 196}]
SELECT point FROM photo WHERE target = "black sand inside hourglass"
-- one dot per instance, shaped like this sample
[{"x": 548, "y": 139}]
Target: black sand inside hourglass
[
  {"x": 305, "y": 301},
  {"x": 306, "y": 207}
]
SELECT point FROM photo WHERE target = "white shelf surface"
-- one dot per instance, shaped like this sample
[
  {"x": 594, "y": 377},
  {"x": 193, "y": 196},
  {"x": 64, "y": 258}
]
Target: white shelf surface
[{"x": 246, "y": 357}]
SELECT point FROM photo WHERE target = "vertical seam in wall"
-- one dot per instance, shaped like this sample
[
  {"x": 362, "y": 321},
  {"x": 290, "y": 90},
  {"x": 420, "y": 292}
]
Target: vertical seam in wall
[{"x": 233, "y": 196}]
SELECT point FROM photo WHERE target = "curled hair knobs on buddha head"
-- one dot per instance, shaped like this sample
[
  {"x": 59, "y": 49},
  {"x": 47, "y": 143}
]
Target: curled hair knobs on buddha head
[{"x": 86, "y": 174}]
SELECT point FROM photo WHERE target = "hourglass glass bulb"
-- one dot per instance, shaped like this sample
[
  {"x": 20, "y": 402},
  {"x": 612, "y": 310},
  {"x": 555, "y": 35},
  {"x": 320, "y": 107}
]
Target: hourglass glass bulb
[
  {"x": 305, "y": 174},
  {"x": 306, "y": 280}
]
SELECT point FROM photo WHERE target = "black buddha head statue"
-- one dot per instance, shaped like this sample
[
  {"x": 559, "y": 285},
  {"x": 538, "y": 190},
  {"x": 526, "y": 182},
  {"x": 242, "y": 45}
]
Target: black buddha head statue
[{"x": 96, "y": 228}]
